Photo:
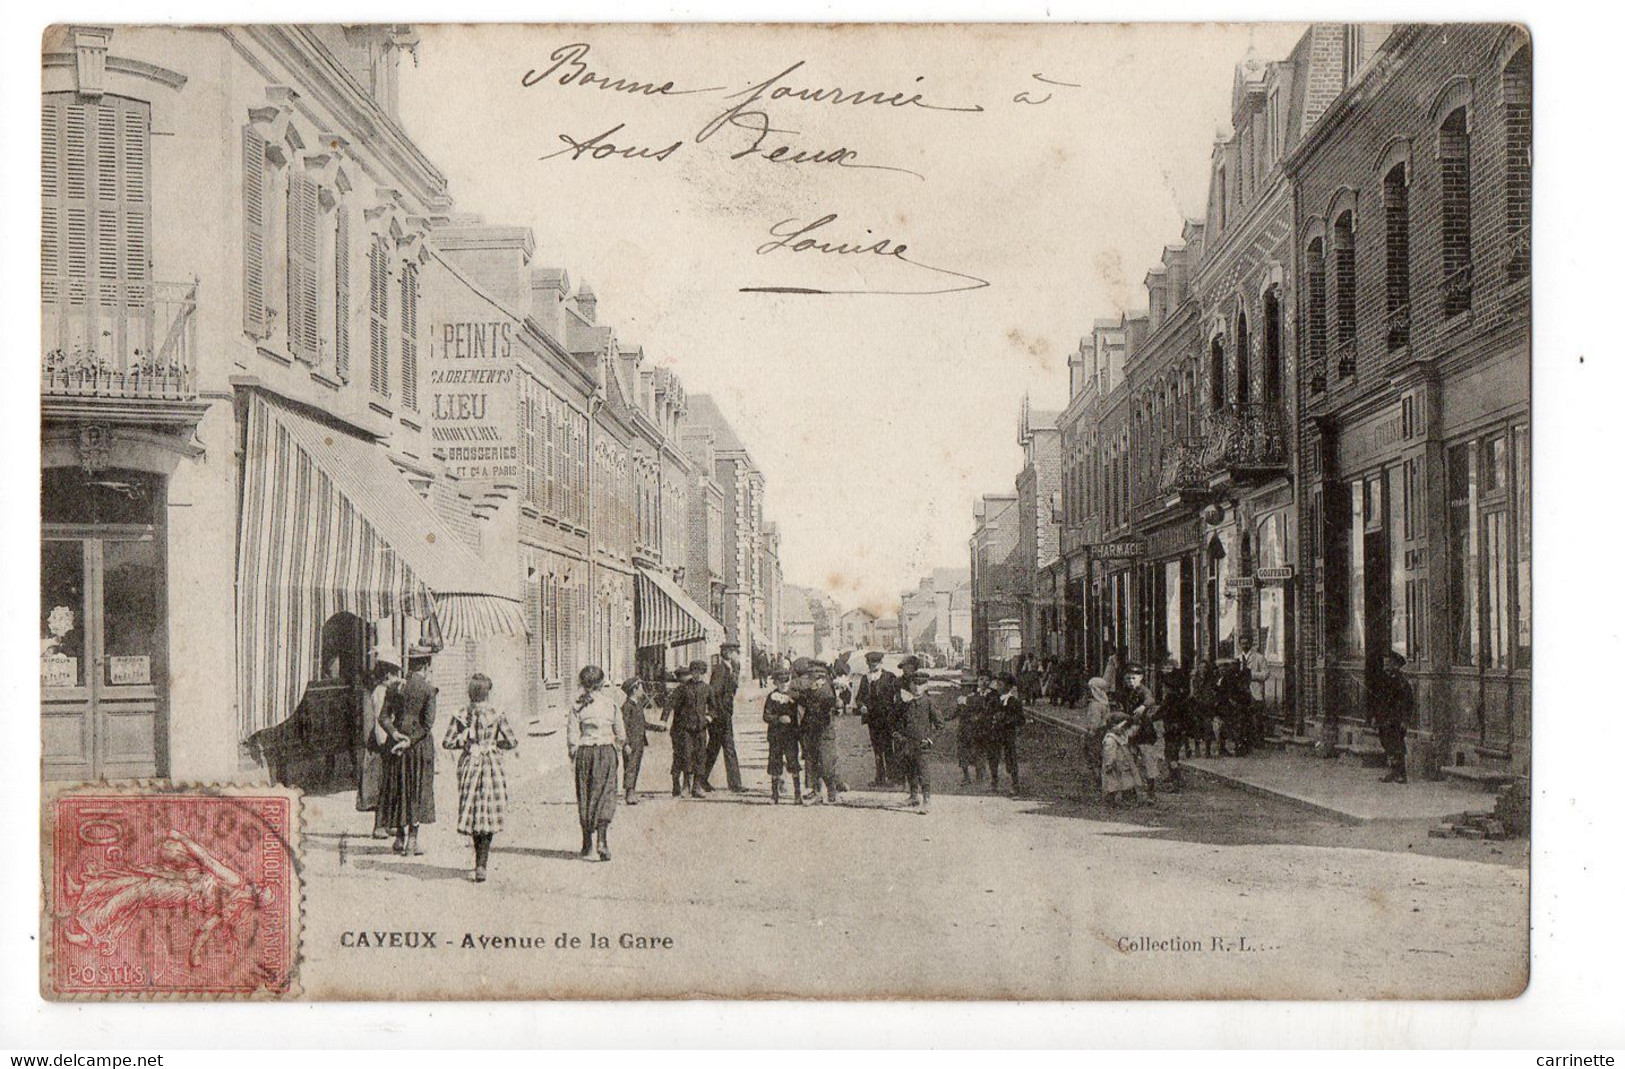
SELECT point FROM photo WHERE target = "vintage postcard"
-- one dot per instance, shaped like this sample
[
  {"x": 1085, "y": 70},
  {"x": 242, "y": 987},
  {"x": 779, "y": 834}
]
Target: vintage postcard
[{"x": 754, "y": 512}]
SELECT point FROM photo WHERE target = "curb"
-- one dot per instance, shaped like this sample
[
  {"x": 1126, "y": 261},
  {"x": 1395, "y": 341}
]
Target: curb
[{"x": 1229, "y": 781}]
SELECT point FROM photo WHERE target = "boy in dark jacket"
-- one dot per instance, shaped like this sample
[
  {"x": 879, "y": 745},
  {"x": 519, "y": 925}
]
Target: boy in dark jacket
[
  {"x": 1008, "y": 716},
  {"x": 782, "y": 714},
  {"x": 633, "y": 715},
  {"x": 689, "y": 713}
]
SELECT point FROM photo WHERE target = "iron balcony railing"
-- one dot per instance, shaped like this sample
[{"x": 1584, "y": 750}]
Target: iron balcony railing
[
  {"x": 121, "y": 341},
  {"x": 1399, "y": 327},
  {"x": 1183, "y": 470},
  {"x": 1243, "y": 437},
  {"x": 1458, "y": 291}
]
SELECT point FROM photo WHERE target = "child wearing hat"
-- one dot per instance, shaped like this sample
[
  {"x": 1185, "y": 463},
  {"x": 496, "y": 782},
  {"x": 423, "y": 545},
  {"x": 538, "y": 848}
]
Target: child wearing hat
[
  {"x": 1119, "y": 774},
  {"x": 634, "y": 712},
  {"x": 782, "y": 714}
]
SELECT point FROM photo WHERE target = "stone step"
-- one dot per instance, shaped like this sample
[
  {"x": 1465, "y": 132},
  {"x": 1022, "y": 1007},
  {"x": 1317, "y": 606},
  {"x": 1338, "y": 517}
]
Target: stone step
[
  {"x": 1488, "y": 779},
  {"x": 1370, "y": 756}
]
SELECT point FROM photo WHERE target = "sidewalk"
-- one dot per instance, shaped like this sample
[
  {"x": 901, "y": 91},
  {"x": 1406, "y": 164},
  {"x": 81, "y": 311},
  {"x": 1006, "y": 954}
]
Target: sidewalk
[{"x": 1338, "y": 788}]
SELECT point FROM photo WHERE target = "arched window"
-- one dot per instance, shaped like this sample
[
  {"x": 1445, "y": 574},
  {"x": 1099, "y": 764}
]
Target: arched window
[
  {"x": 1315, "y": 313},
  {"x": 1455, "y": 212},
  {"x": 1517, "y": 99},
  {"x": 1215, "y": 374},
  {"x": 1243, "y": 363},
  {"x": 1272, "y": 345},
  {"x": 1343, "y": 283},
  {"x": 1396, "y": 216}
]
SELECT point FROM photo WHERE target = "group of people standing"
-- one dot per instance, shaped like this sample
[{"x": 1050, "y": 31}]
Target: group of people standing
[
  {"x": 398, "y": 761},
  {"x": 989, "y": 713}
]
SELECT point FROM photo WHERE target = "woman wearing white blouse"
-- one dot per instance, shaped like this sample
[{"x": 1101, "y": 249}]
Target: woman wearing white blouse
[{"x": 596, "y": 736}]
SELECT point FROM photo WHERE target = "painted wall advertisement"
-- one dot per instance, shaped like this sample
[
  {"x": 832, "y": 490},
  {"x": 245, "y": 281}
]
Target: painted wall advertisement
[{"x": 473, "y": 398}]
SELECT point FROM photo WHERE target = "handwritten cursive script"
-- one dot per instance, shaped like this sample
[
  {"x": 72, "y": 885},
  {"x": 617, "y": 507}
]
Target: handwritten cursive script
[
  {"x": 792, "y": 236},
  {"x": 571, "y": 60}
]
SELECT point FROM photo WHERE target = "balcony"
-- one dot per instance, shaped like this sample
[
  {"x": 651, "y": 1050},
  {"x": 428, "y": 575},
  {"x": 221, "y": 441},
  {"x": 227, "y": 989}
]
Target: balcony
[
  {"x": 1458, "y": 291},
  {"x": 1245, "y": 443},
  {"x": 1345, "y": 358},
  {"x": 1184, "y": 475},
  {"x": 132, "y": 346},
  {"x": 1399, "y": 328},
  {"x": 1518, "y": 254}
]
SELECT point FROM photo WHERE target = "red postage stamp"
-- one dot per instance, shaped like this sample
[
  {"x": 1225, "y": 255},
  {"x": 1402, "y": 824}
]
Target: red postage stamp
[{"x": 172, "y": 891}]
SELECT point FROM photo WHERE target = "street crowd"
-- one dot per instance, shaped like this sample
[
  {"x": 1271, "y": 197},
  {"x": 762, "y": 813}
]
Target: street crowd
[{"x": 1136, "y": 732}]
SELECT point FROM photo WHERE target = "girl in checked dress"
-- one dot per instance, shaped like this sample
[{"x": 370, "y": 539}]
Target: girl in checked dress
[{"x": 481, "y": 732}]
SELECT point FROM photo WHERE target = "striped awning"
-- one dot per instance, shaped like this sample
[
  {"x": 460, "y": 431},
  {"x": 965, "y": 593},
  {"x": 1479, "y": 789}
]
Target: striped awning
[
  {"x": 668, "y": 616},
  {"x": 330, "y": 525}
]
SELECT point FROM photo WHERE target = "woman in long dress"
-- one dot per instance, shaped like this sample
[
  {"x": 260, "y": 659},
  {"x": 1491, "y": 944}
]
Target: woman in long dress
[
  {"x": 406, "y": 787},
  {"x": 374, "y": 740},
  {"x": 482, "y": 733},
  {"x": 596, "y": 737}
]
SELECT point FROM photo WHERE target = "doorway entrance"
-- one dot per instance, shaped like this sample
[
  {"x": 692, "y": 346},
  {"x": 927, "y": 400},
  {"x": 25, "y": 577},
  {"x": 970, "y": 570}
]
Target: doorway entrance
[{"x": 103, "y": 655}]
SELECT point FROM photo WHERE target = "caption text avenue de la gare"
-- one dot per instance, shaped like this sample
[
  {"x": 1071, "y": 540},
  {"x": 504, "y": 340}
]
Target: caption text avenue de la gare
[{"x": 564, "y": 940}]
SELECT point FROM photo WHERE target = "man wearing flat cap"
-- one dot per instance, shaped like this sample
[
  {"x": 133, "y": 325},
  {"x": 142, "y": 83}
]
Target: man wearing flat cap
[
  {"x": 689, "y": 711},
  {"x": 877, "y": 692},
  {"x": 1008, "y": 716},
  {"x": 724, "y": 685},
  {"x": 1392, "y": 705}
]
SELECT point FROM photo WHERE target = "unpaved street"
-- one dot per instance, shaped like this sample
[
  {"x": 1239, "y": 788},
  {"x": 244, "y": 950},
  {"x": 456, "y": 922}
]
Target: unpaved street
[{"x": 1044, "y": 896}]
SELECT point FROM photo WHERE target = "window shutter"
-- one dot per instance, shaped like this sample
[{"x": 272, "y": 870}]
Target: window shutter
[
  {"x": 51, "y": 201},
  {"x": 304, "y": 317},
  {"x": 378, "y": 285},
  {"x": 136, "y": 205},
  {"x": 76, "y": 203},
  {"x": 341, "y": 292},
  {"x": 409, "y": 336},
  {"x": 254, "y": 318}
]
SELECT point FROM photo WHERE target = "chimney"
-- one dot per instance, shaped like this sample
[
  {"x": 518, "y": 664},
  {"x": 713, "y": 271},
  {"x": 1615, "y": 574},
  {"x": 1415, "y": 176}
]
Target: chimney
[
  {"x": 587, "y": 303},
  {"x": 549, "y": 286}
]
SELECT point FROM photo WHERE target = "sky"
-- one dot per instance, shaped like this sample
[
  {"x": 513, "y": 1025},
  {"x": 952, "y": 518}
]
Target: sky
[{"x": 877, "y": 409}]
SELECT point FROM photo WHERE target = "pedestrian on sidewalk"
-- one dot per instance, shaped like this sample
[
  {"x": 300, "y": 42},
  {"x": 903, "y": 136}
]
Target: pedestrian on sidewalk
[
  {"x": 1235, "y": 707},
  {"x": 375, "y": 741},
  {"x": 1204, "y": 711},
  {"x": 1175, "y": 696},
  {"x": 724, "y": 685},
  {"x": 782, "y": 714},
  {"x": 1392, "y": 705},
  {"x": 1258, "y": 675},
  {"x": 406, "y": 783},
  {"x": 1097, "y": 716},
  {"x": 595, "y": 736},
  {"x": 634, "y": 715},
  {"x": 919, "y": 722},
  {"x": 1119, "y": 773},
  {"x": 688, "y": 712},
  {"x": 875, "y": 696},
  {"x": 1008, "y": 717},
  {"x": 481, "y": 732}
]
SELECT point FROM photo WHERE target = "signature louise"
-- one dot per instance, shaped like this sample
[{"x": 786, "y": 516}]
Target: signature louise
[{"x": 795, "y": 237}]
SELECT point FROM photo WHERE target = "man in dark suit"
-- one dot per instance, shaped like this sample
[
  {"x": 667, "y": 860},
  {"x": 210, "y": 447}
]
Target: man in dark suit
[
  {"x": 689, "y": 711},
  {"x": 917, "y": 724},
  {"x": 1007, "y": 719},
  {"x": 724, "y": 685},
  {"x": 1392, "y": 706},
  {"x": 877, "y": 692}
]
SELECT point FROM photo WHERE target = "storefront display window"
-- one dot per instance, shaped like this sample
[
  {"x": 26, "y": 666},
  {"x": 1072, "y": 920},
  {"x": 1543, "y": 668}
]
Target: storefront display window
[
  {"x": 1463, "y": 523},
  {"x": 1525, "y": 585},
  {"x": 1173, "y": 622},
  {"x": 1354, "y": 635},
  {"x": 1272, "y": 553}
]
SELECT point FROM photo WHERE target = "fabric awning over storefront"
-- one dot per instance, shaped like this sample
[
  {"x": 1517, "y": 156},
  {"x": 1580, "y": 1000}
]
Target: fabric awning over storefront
[
  {"x": 668, "y": 616},
  {"x": 330, "y": 525}
]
